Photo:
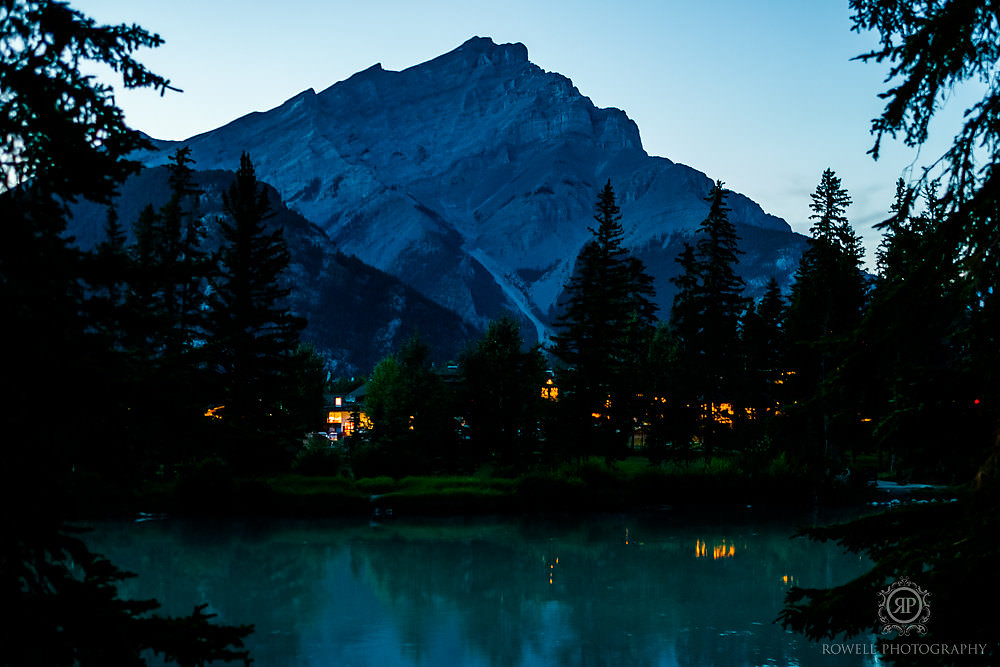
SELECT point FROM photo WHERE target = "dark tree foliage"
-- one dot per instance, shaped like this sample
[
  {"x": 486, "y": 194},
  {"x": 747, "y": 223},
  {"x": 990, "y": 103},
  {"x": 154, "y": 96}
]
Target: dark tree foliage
[
  {"x": 674, "y": 413},
  {"x": 937, "y": 298},
  {"x": 931, "y": 47},
  {"x": 172, "y": 266},
  {"x": 146, "y": 303},
  {"x": 705, "y": 321},
  {"x": 678, "y": 352},
  {"x": 110, "y": 322},
  {"x": 948, "y": 549},
  {"x": 672, "y": 368},
  {"x": 63, "y": 140},
  {"x": 684, "y": 320},
  {"x": 762, "y": 388},
  {"x": 182, "y": 260},
  {"x": 604, "y": 331},
  {"x": 413, "y": 429},
  {"x": 253, "y": 333},
  {"x": 501, "y": 386},
  {"x": 825, "y": 309},
  {"x": 107, "y": 277},
  {"x": 914, "y": 341},
  {"x": 68, "y": 612},
  {"x": 62, "y": 132},
  {"x": 762, "y": 333},
  {"x": 163, "y": 324},
  {"x": 890, "y": 252},
  {"x": 720, "y": 295}
]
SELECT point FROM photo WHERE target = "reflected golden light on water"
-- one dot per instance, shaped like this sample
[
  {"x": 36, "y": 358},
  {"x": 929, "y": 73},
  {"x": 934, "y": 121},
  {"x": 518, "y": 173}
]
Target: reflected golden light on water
[
  {"x": 551, "y": 562},
  {"x": 720, "y": 550}
]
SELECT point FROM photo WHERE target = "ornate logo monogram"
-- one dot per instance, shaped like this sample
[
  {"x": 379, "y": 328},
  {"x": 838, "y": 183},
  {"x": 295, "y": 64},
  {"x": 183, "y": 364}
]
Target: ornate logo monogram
[{"x": 903, "y": 607}]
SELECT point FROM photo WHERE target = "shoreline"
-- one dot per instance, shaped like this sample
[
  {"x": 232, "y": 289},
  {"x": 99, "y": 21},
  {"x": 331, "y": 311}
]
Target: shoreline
[{"x": 595, "y": 491}]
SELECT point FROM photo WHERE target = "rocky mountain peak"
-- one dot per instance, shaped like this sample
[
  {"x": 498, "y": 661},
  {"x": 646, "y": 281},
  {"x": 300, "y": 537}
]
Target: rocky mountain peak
[
  {"x": 489, "y": 52},
  {"x": 472, "y": 177}
]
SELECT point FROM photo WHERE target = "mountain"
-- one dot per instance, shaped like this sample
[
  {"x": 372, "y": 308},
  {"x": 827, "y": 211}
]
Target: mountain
[
  {"x": 473, "y": 176},
  {"x": 357, "y": 314}
]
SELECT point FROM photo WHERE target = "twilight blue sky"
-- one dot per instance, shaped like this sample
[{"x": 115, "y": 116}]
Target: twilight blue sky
[{"x": 760, "y": 94}]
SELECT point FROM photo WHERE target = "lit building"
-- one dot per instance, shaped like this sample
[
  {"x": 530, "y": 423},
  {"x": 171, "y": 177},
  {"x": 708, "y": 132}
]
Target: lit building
[
  {"x": 345, "y": 414},
  {"x": 549, "y": 390}
]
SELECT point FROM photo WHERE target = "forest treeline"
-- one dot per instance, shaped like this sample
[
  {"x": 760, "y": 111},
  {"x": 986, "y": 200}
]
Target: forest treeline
[
  {"x": 888, "y": 367},
  {"x": 190, "y": 354},
  {"x": 201, "y": 358}
]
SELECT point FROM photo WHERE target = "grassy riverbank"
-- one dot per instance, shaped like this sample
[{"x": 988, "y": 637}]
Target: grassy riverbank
[{"x": 212, "y": 489}]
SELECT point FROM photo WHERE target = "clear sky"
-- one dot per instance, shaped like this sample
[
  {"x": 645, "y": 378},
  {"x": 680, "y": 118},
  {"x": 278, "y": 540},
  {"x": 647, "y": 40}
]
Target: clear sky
[{"x": 761, "y": 94}]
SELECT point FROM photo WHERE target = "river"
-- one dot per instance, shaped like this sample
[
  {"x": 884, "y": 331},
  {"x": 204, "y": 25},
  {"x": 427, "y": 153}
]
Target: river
[{"x": 667, "y": 588}]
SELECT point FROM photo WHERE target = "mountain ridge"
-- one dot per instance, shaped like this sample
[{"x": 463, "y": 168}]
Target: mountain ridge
[{"x": 472, "y": 177}]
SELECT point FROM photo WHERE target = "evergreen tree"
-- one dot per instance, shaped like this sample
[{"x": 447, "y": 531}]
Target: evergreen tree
[
  {"x": 606, "y": 324},
  {"x": 825, "y": 309},
  {"x": 107, "y": 272},
  {"x": 253, "y": 333},
  {"x": 897, "y": 223},
  {"x": 705, "y": 319},
  {"x": 174, "y": 264},
  {"x": 684, "y": 313},
  {"x": 721, "y": 298},
  {"x": 829, "y": 206},
  {"x": 183, "y": 257},
  {"x": 915, "y": 340}
]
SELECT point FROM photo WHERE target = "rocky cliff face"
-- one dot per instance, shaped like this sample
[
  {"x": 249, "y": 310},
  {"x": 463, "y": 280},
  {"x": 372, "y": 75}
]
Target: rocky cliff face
[{"x": 472, "y": 177}]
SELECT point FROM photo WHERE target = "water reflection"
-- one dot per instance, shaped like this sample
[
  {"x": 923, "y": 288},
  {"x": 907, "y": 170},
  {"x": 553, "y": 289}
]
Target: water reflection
[
  {"x": 719, "y": 550},
  {"x": 491, "y": 592}
]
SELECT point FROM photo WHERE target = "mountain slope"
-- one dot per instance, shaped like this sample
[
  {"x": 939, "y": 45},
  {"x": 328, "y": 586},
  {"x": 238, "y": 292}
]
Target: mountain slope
[
  {"x": 472, "y": 177},
  {"x": 357, "y": 314}
]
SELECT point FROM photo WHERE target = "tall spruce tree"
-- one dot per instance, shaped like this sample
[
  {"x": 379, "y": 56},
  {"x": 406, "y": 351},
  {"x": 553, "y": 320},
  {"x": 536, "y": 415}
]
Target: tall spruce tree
[
  {"x": 721, "y": 297},
  {"x": 825, "y": 309},
  {"x": 187, "y": 263},
  {"x": 604, "y": 329},
  {"x": 253, "y": 332},
  {"x": 705, "y": 320}
]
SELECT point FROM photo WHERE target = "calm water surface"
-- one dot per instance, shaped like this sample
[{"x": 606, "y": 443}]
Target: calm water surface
[{"x": 670, "y": 588}]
